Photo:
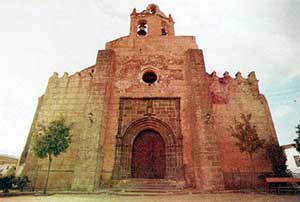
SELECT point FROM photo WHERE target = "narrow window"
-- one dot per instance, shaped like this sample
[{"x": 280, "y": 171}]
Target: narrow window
[{"x": 164, "y": 28}]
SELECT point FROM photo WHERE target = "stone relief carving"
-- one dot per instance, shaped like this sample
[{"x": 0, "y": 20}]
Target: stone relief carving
[{"x": 131, "y": 67}]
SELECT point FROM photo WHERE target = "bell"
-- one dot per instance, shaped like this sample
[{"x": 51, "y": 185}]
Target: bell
[{"x": 142, "y": 30}]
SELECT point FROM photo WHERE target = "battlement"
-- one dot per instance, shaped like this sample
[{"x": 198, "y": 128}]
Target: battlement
[
  {"x": 251, "y": 78},
  {"x": 222, "y": 88}
]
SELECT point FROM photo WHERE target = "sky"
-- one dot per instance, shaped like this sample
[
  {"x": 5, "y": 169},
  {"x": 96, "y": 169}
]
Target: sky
[{"x": 38, "y": 38}]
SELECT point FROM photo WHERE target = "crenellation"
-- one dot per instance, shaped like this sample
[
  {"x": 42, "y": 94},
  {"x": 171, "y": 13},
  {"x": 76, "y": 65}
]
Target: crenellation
[{"x": 239, "y": 77}]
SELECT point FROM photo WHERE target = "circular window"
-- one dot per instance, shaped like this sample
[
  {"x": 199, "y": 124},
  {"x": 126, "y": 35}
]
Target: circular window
[{"x": 149, "y": 77}]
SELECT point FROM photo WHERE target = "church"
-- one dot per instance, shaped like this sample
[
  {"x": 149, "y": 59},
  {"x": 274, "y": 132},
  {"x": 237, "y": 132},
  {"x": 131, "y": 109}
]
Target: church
[{"x": 148, "y": 113}]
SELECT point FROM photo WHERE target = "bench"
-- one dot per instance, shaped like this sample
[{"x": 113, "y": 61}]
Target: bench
[{"x": 283, "y": 184}]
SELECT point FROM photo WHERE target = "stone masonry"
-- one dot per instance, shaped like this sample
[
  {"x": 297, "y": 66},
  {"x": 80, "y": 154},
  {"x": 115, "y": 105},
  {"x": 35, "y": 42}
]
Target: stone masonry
[{"x": 150, "y": 80}]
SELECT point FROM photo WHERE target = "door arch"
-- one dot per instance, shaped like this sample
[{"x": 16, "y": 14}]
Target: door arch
[
  {"x": 148, "y": 155},
  {"x": 125, "y": 142}
]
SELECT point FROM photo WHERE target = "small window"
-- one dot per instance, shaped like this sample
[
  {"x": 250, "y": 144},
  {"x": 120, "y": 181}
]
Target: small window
[
  {"x": 297, "y": 160},
  {"x": 142, "y": 28},
  {"x": 149, "y": 77}
]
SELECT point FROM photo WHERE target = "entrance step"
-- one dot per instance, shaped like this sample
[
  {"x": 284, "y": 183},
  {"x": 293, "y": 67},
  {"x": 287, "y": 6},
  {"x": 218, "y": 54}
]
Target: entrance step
[
  {"x": 148, "y": 192},
  {"x": 146, "y": 187},
  {"x": 147, "y": 182}
]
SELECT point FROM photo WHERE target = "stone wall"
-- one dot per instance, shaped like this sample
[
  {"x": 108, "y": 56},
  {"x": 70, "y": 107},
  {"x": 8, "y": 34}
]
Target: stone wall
[
  {"x": 207, "y": 167},
  {"x": 170, "y": 67},
  {"x": 81, "y": 100},
  {"x": 230, "y": 98}
]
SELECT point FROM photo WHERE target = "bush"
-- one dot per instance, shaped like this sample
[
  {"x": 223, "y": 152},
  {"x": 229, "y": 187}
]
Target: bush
[
  {"x": 10, "y": 181},
  {"x": 21, "y": 182},
  {"x": 6, "y": 183},
  {"x": 277, "y": 157}
]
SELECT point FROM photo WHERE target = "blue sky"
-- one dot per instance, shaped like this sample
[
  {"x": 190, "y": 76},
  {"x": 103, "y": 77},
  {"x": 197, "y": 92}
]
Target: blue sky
[{"x": 38, "y": 38}]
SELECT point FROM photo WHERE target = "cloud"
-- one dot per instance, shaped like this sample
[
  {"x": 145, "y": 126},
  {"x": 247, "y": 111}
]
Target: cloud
[{"x": 40, "y": 37}]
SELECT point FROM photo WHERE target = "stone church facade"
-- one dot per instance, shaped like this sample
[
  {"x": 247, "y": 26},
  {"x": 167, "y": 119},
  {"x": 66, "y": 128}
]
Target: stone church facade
[{"x": 149, "y": 110}]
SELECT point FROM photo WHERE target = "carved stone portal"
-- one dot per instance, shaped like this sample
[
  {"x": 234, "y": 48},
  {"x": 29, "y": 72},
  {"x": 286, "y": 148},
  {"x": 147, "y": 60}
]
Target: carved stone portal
[{"x": 148, "y": 147}]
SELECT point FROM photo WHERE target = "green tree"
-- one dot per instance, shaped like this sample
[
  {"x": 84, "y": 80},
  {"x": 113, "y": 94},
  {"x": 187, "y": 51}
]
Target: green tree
[
  {"x": 49, "y": 141},
  {"x": 247, "y": 139},
  {"x": 277, "y": 157},
  {"x": 297, "y": 140}
]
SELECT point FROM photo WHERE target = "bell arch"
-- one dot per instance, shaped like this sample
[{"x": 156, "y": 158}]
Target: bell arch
[{"x": 124, "y": 148}]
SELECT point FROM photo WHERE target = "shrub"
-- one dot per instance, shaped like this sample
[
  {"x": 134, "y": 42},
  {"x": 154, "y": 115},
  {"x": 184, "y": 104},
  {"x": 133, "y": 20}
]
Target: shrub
[
  {"x": 21, "y": 182},
  {"x": 6, "y": 183},
  {"x": 277, "y": 157}
]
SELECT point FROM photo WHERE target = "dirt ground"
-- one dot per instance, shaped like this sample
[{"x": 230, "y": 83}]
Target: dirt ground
[{"x": 225, "y": 197}]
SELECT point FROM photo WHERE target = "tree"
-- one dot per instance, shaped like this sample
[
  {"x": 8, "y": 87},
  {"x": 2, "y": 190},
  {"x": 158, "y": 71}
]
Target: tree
[
  {"x": 247, "y": 138},
  {"x": 277, "y": 157},
  {"x": 49, "y": 141},
  {"x": 297, "y": 140}
]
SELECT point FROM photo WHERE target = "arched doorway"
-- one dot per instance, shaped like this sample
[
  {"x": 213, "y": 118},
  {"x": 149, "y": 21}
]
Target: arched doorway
[
  {"x": 148, "y": 155},
  {"x": 129, "y": 138}
]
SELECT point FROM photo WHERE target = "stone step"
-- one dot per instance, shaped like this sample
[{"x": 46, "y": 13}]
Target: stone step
[
  {"x": 151, "y": 182},
  {"x": 145, "y": 187},
  {"x": 145, "y": 180},
  {"x": 135, "y": 186},
  {"x": 145, "y": 190},
  {"x": 147, "y": 184},
  {"x": 145, "y": 194},
  {"x": 149, "y": 192}
]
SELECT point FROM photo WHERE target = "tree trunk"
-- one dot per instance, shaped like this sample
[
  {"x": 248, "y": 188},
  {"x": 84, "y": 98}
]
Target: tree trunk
[
  {"x": 48, "y": 172},
  {"x": 252, "y": 170}
]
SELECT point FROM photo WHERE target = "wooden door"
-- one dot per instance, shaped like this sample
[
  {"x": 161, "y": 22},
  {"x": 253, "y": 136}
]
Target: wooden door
[{"x": 148, "y": 156}]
